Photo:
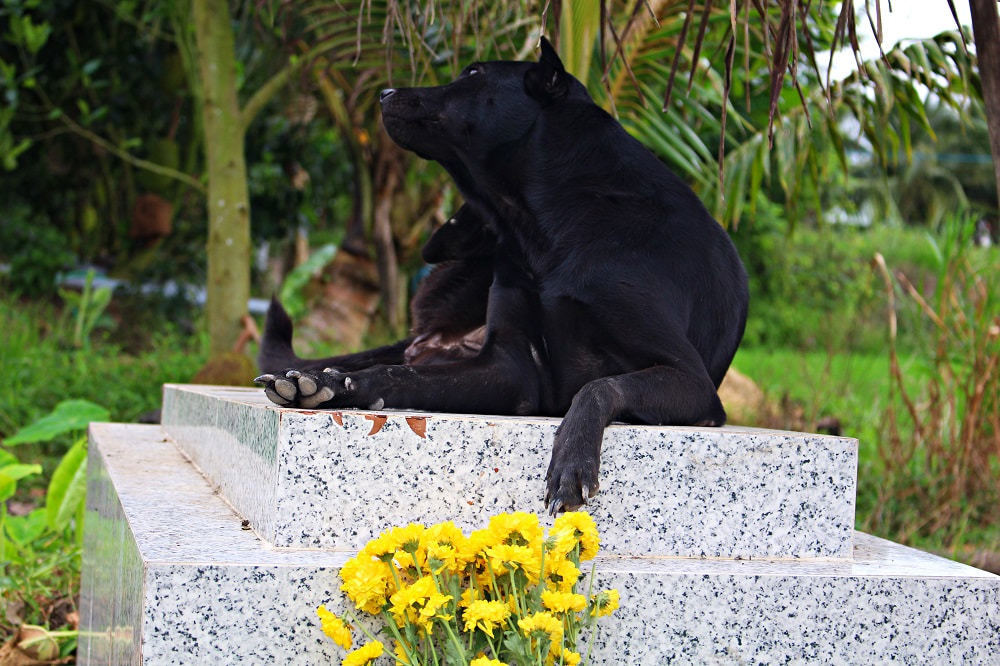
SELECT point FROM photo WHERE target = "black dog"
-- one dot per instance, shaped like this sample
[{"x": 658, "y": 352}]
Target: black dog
[{"x": 613, "y": 294}]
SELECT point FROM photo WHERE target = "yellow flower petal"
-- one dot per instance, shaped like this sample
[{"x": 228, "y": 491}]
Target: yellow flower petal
[
  {"x": 367, "y": 582},
  {"x": 561, "y": 574},
  {"x": 581, "y": 526},
  {"x": 486, "y": 661},
  {"x": 604, "y": 603},
  {"x": 563, "y": 602},
  {"x": 485, "y": 615},
  {"x": 365, "y": 655},
  {"x": 544, "y": 623},
  {"x": 335, "y": 628}
]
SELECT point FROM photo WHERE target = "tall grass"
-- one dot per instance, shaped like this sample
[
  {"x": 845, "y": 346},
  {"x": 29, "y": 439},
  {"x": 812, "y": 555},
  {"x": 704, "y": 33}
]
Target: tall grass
[{"x": 940, "y": 444}]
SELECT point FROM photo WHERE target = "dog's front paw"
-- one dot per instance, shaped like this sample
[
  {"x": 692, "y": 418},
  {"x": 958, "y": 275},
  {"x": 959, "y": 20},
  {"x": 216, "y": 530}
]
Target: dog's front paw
[
  {"x": 572, "y": 476},
  {"x": 293, "y": 388}
]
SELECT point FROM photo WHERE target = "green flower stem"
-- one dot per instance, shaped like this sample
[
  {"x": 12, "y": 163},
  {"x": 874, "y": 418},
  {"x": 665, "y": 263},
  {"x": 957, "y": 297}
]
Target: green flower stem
[
  {"x": 354, "y": 621},
  {"x": 391, "y": 624},
  {"x": 518, "y": 601},
  {"x": 593, "y": 625},
  {"x": 493, "y": 580},
  {"x": 454, "y": 640}
]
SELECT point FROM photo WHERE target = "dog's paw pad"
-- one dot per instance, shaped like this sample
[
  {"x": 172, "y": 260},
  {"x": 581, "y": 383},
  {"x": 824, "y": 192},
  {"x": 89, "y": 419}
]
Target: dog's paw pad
[
  {"x": 308, "y": 386},
  {"x": 286, "y": 389},
  {"x": 317, "y": 397},
  {"x": 274, "y": 397}
]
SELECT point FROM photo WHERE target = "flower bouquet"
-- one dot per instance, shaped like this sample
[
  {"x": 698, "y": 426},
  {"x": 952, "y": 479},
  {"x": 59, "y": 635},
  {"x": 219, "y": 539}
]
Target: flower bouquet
[{"x": 501, "y": 595}]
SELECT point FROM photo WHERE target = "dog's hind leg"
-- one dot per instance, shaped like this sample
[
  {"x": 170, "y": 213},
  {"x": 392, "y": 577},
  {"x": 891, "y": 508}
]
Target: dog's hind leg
[
  {"x": 506, "y": 377},
  {"x": 663, "y": 394}
]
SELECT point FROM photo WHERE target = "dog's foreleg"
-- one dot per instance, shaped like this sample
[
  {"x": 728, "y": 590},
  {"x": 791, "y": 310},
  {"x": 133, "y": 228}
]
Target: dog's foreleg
[{"x": 662, "y": 394}]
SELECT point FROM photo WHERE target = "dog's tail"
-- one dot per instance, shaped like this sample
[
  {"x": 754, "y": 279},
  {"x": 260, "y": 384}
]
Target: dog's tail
[{"x": 276, "y": 352}]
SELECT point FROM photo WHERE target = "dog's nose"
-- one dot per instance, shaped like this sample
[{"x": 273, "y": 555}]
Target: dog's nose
[{"x": 382, "y": 96}]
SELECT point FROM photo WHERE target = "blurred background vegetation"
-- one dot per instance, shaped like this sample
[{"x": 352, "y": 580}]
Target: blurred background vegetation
[{"x": 864, "y": 206}]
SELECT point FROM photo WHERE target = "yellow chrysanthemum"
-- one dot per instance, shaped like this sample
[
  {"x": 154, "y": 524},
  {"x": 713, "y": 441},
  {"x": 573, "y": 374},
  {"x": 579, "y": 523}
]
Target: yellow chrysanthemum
[
  {"x": 446, "y": 533},
  {"x": 380, "y": 547},
  {"x": 475, "y": 545},
  {"x": 519, "y": 529},
  {"x": 542, "y": 622},
  {"x": 504, "y": 558},
  {"x": 468, "y": 596},
  {"x": 604, "y": 603},
  {"x": 408, "y": 542},
  {"x": 583, "y": 529},
  {"x": 419, "y": 603},
  {"x": 335, "y": 628},
  {"x": 408, "y": 538},
  {"x": 486, "y": 661},
  {"x": 485, "y": 615},
  {"x": 364, "y": 655},
  {"x": 561, "y": 574},
  {"x": 569, "y": 658},
  {"x": 444, "y": 557},
  {"x": 563, "y": 602},
  {"x": 367, "y": 583}
]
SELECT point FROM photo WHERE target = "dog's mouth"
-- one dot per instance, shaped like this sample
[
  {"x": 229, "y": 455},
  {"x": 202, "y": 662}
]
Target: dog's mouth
[{"x": 429, "y": 120}]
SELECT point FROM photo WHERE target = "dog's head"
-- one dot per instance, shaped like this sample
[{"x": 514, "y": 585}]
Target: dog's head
[{"x": 490, "y": 104}]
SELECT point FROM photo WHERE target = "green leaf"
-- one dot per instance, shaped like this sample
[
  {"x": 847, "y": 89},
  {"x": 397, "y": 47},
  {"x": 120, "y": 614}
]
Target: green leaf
[
  {"x": 25, "y": 529},
  {"x": 11, "y": 155},
  {"x": 34, "y": 36},
  {"x": 68, "y": 486},
  {"x": 9, "y": 475},
  {"x": 298, "y": 278},
  {"x": 91, "y": 66},
  {"x": 68, "y": 415}
]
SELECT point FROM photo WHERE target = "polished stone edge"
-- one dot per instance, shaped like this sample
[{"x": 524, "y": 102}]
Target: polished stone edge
[
  {"x": 111, "y": 585},
  {"x": 236, "y": 448},
  {"x": 170, "y": 576},
  {"x": 340, "y": 476}
]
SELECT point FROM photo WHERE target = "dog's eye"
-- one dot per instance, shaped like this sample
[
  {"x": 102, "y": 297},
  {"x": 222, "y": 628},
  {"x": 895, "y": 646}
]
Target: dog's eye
[{"x": 472, "y": 69}]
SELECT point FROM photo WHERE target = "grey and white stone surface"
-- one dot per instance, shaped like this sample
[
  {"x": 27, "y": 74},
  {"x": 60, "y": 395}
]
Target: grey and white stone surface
[
  {"x": 336, "y": 478},
  {"x": 172, "y": 577}
]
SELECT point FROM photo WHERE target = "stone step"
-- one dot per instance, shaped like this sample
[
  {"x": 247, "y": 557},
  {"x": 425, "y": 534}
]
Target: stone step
[
  {"x": 336, "y": 479},
  {"x": 171, "y": 576}
]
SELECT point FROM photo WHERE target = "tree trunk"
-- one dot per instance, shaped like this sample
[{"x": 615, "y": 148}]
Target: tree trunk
[
  {"x": 986, "y": 31},
  {"x": 228, "y": 205}
]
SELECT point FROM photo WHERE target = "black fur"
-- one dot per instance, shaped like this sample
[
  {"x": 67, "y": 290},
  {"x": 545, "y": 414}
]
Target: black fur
[{"x": 612, "y": 293}]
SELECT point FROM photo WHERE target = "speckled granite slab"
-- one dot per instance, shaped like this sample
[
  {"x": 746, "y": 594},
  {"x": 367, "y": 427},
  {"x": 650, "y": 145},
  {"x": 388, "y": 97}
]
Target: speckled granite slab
[
  {"x": 171, "y": 577},
  {"x": 336, "y": 479}
]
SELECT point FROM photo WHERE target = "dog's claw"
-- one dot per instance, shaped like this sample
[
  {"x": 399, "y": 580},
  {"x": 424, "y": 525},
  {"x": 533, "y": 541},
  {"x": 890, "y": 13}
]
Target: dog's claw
[
  {"x": 293, "y": 374},
  {"x": 263, "y": 379},
  {"x": 556, "y": 507}
]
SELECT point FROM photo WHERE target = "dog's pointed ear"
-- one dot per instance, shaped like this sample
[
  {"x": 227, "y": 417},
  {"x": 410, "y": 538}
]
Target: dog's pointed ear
[{"x": 547, "y": 80}]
